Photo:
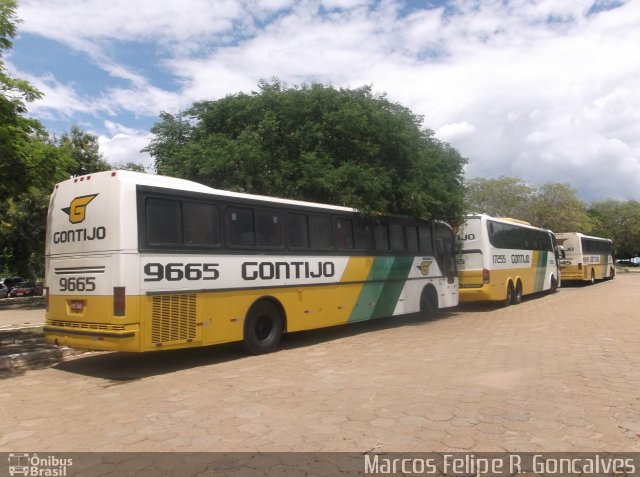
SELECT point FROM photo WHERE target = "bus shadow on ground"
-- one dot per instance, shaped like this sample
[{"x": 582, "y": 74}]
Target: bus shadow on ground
[
  {"x": 121, "y": 368},
  {"x": 491, "y": 306}
]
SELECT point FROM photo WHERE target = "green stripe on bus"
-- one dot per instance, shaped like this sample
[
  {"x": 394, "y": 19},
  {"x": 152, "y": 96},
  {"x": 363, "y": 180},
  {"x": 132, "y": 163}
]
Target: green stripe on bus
[
  {"x": 392, "y": 289},
  {"x": 378, "y": 295},
  {"x": 541, "y": 271}
]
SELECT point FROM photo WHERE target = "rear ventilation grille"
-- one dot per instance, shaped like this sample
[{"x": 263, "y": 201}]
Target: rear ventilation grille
[
  {"x": 173, "y": 319},
  {"x": 85, "y": 326}
]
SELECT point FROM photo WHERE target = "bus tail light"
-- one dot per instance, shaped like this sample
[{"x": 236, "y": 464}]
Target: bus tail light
[
  {"x": 486, "y": 276},
  {"x": 118, "y": 301}
]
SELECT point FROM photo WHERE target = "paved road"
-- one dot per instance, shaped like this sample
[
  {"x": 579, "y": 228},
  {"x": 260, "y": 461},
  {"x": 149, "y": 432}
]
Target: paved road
[
  {"x": 558, "y": 372},
  {"x": 10, "y": 318}
]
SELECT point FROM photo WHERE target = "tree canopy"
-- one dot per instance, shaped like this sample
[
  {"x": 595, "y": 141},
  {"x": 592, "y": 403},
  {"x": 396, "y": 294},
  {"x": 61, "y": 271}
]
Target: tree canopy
[
  {"x": 500, "y": 197},
  {"x": 31, "y": 162},
  {"x": 316, "y": 143},
  {"x": 620, "y": 221},
  {"x": 553, "y": 206}
]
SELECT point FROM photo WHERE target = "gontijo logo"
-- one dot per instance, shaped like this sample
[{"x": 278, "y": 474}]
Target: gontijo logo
[
  {"x": 424, "y": 267},
  {"x": 77, "y": 209}
]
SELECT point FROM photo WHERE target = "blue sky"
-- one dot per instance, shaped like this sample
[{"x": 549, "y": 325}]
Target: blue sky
[{"x": 545, "y": 90}]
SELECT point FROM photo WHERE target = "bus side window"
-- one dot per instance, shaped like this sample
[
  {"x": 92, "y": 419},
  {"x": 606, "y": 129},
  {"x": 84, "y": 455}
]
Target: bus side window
[
  {"x": 344, "y": 234},
  {"x": 396, "y": 234},
  {"x": 362, "y": 233},
  {"x": 268, "y": 228},
  {"x": 297, "y": 230},
  {"x": 240, "y": 226},
  {"x": 412, "y": 239},
  {"x": 381, "y": 232},
  {"x": 320, "y": 232},
  {"x": 201, "y": 224},
  {"x": 426, "y": 244},
  {"x": 163, "y": 221}
]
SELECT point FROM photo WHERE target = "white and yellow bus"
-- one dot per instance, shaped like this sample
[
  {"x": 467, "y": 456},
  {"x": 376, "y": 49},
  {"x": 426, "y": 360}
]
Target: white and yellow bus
[
  {"x": 586, "y": 258},
  {"x": 139, "y": 262},
  {"x": 504, "y": 259}
]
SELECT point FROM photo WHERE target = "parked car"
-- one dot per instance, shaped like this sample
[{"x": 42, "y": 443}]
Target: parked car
[
  {"x": 27, "y": 288},
  {"x": 11, "y": 282},
  {"x": 4, "y": 291},
  {"x": 627, "y": 263}
]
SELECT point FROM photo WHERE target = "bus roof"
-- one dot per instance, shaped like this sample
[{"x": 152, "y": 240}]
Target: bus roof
[
  {"x": 152, "y": 180},
  {"x": 505, "y": 220},
  {"x": 578, "y": 234}
]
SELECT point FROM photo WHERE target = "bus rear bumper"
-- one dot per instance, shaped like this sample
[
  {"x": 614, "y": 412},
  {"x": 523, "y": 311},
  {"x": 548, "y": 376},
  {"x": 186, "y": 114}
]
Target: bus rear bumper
[
  {"x": 471, "y": 294},
  {"x": 127, "y": 339}
]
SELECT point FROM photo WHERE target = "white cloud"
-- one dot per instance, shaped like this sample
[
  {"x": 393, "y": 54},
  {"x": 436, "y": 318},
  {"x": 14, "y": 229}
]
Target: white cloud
[
  {"x": 538, "y": 89},
  {"x": 165, "y": 21},
  {"x": 453, "y": 131},
  {"x": 123, "y": 145}
]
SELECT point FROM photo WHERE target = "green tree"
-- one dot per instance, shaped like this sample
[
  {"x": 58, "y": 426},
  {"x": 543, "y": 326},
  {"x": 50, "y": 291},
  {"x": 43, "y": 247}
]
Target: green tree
[
  {"x": 500, "y": 197},
  {"x": 130, "y": 166},
  {"x": 619, "y": 221},
  {"x": 17, "y": 167},
  {"x": 554, "y": 206},
  {"x": 24, "y": 214},
  {"x": 84, "y": 150},
  {"x": 316, "y": 143},
  {"x": 557, "y": 207},
  {"x": 30, "y": 163}
]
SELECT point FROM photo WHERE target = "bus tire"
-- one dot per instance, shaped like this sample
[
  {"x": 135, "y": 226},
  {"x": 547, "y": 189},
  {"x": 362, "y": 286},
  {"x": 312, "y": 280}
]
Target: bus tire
[
  {"x": 428, "y": 302},
  {"x": 517, "y": 295},
  {"x": 263, "y": 328},
  {"x": 593, "y": 277},
  {"x": 507, "y": 301},
  {"x": 612, "y": 273},
  {"x": 554, "y": 285}
]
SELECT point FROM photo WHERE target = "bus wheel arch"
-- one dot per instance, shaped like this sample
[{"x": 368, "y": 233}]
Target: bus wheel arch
[
  {"x": 429, "y": 301},
  {"x": 264, "y": 325},
  {"x": 517, "y": 294}
]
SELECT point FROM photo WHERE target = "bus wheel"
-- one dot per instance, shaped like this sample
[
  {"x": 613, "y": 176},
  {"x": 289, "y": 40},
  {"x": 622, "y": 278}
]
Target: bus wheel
[
  {"x": 554, "y": 285},
  {"x": 509, "y": 298},
  {"x": 612, "y": 273},
  {"x": 263, "y": 328},
  {"x": 593, "y": 277},
  {"x": 517, "y": 296}
]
